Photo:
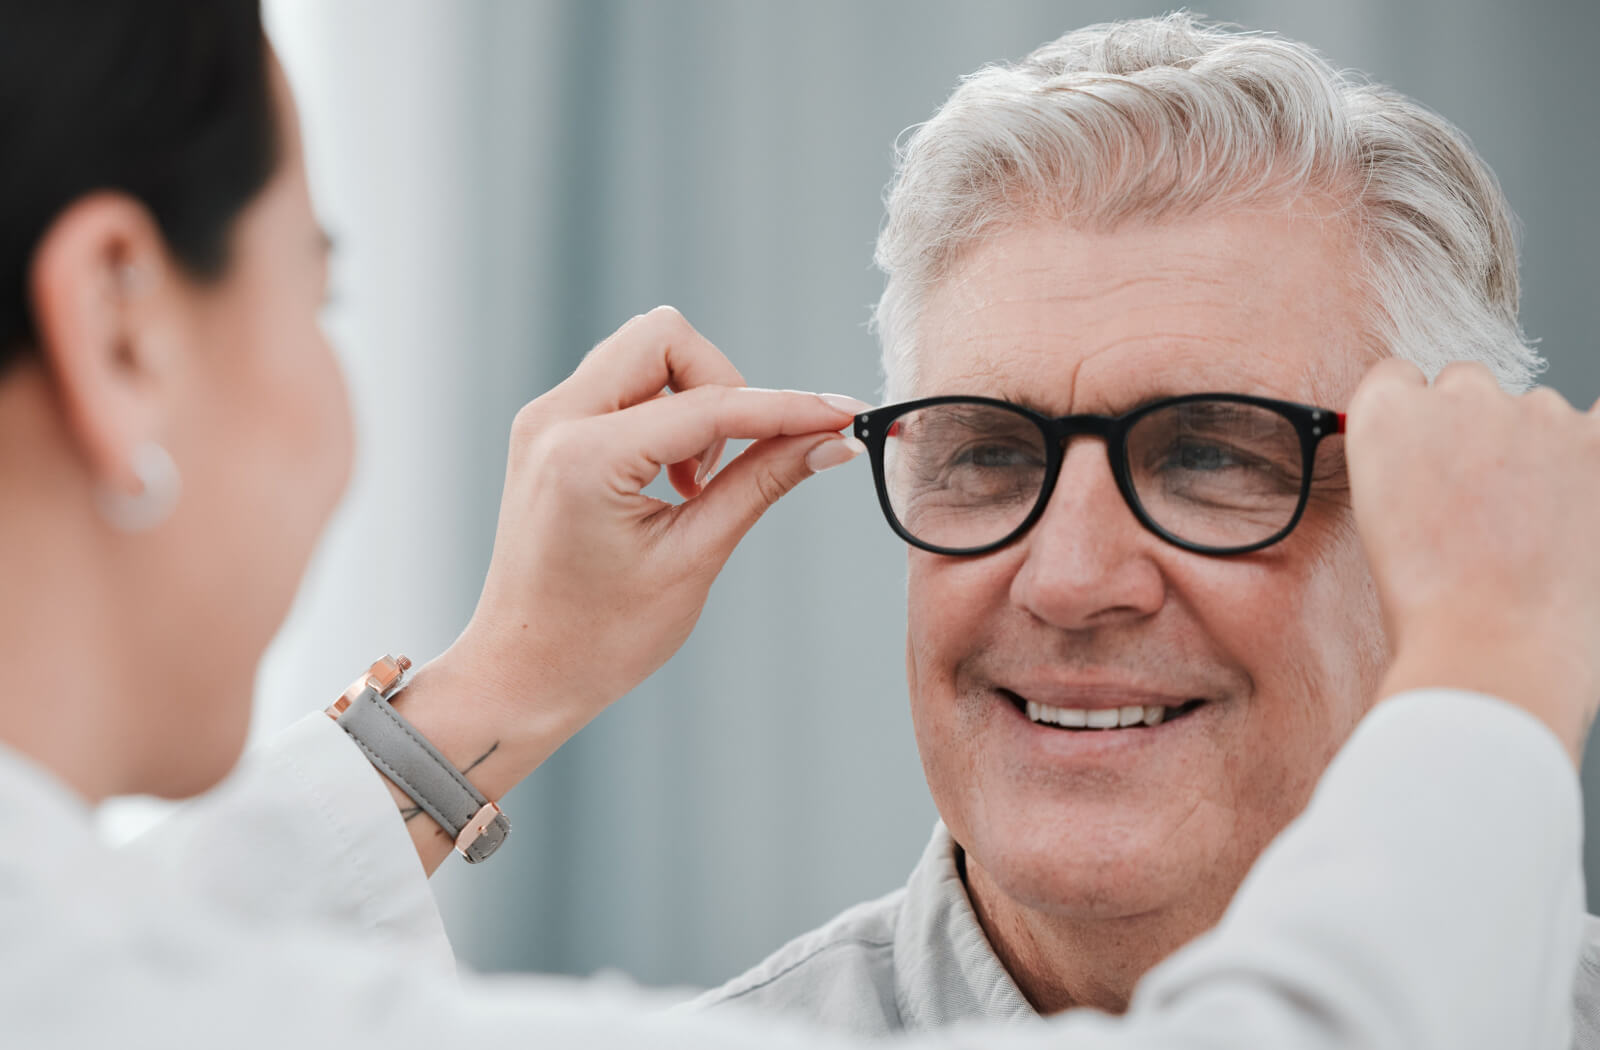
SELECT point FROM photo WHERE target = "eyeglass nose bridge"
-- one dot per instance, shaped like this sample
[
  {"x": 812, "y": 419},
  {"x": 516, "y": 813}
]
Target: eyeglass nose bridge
[
  {"x": 1059, "y": 432},
  {"x": 1063, "y": 429}
]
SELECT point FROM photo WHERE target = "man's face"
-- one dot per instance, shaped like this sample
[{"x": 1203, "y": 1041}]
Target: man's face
[{"x": 1090, "y": 610}]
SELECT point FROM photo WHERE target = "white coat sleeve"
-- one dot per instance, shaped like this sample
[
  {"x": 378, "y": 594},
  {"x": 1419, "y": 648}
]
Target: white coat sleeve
[
  {"x": 304, "y": 831},
  {"x": 1430, "y": 897}
]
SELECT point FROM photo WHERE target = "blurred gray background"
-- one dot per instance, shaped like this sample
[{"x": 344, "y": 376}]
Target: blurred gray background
[{"x": 509, "y": 181}]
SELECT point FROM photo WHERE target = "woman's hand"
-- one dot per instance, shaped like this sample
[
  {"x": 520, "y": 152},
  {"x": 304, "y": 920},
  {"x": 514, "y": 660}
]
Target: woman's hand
[
  {"x": 1480, "y": 512},
  {"x": 593, "y": 585}
]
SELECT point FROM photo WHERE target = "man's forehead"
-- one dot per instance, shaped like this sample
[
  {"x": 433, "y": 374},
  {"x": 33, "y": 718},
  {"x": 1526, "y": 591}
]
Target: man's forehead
[
  {"x": 1068, "y": 321},
  {"x": 1056, "y": 384}
]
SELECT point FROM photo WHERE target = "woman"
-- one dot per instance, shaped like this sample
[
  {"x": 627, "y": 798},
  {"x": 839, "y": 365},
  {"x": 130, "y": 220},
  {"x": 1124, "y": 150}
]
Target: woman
[{"x": 174, "y": 435}]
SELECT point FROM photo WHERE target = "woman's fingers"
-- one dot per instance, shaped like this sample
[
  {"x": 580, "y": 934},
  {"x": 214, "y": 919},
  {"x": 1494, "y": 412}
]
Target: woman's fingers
[
  {"x": 654, "y": 351},
  {"x": 754, "y": 481},
  {"x": 663, "y": 431},
  {"x": 1392, "y": 377},
  {"x": 707, "y": 461}
]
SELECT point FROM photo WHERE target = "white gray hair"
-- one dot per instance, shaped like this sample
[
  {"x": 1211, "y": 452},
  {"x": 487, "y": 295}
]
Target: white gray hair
[{"x": 1163, "y": 117}]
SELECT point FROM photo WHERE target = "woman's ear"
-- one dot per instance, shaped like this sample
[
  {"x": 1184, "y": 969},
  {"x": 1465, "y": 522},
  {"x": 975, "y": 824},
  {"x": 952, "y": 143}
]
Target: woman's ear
[{"x": 104, "y": 292}]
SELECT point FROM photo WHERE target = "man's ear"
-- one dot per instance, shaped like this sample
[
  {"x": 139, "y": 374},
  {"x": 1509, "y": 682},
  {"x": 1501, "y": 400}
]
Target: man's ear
[{"x": 103, "y": 289}]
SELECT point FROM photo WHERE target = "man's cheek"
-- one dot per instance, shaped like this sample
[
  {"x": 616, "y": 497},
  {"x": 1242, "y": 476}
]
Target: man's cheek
[{"x": 932, "y": 631}]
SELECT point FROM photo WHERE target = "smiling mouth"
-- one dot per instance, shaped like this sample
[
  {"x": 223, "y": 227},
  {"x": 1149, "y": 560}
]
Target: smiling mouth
[{"x": 1131, "y": 716}]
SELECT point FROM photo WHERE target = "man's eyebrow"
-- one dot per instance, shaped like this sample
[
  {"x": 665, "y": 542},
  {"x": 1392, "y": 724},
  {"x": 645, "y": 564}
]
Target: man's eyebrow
[
  {"x": 1033, "y": 404},
  {"x": 1022, "y": 400}
]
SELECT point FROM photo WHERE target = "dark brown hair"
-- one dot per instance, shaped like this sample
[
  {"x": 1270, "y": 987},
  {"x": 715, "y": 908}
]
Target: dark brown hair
[{"x": 165, "y": 100}]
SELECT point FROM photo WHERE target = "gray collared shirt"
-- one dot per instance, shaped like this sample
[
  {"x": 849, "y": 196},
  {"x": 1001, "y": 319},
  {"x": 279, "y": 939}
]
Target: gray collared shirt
[{"x": 918, "y": 959}]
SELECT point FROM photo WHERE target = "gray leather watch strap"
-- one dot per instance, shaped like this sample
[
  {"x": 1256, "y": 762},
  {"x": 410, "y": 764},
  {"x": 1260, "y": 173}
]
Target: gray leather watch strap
[{"x": 406, "y": 757}]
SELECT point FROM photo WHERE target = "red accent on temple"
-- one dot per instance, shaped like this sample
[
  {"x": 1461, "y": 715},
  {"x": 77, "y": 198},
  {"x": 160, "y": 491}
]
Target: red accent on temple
[
  {"x": 1340, "y": 417},
  {"x": 894, "y": 429}
]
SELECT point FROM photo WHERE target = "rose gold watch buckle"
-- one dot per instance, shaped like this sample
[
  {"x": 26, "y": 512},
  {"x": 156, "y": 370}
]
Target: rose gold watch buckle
[
  {"x": 473, "y": 829},
  {"x": 382, "y": 677}
]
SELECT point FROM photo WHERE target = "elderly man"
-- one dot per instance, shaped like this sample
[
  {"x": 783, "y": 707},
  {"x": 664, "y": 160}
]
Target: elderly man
[{"x": 1132, "y": 281}]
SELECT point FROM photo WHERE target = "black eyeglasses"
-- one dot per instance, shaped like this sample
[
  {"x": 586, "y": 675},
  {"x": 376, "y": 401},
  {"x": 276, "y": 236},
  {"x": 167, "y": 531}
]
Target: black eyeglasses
[{"x": 1211, "y": 473}]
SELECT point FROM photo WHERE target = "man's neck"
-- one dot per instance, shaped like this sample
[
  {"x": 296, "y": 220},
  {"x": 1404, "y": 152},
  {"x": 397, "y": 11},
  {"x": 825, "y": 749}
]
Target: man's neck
[{"x": 1060, "y": 962}]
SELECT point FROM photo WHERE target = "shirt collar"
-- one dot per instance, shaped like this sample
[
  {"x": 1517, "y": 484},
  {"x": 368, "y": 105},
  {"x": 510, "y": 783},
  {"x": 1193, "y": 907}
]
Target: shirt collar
[{"x": 945, "y": 969}]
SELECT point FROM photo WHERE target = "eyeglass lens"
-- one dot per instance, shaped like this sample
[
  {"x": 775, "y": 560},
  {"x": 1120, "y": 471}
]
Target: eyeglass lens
[{"x": 1211, "y": 473}]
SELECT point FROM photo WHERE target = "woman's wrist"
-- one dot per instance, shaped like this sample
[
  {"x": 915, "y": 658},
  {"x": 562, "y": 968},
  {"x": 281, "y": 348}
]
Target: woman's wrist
[
  {"x": 1539, "y": 677},
  {"x": 494, "y": 728}
]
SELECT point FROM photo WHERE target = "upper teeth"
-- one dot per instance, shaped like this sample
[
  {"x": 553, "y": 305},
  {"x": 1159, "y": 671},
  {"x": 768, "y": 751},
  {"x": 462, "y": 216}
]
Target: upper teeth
[{"x": 1096, "y": 718}]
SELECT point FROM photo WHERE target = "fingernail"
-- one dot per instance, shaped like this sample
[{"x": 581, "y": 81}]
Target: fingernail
[
  {"x": 833, "y": 453},
  {"x": 709, "y": 459},
  {"x": 844, "y": 403}
]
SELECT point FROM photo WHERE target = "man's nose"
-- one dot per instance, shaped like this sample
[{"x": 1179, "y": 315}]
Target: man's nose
[{"x": 1087, "y": 560}]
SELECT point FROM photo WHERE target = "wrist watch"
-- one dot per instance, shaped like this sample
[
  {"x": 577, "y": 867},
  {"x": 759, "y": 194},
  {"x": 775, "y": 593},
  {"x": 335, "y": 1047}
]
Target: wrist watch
[{"x": 415, "y": 766}]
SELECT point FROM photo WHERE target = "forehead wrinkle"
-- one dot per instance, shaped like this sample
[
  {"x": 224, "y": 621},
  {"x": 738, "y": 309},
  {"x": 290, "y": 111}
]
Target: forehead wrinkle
[
  {"x": 1165, "y": 341},
  {"x": 1187, "y": 291},
  {"x": 986, "y": 379},
  {"x": 1161, "y": 364},
  {"x": 983, "y": 257},
  {"x": 1013, "y": 332},
  {"x": 1192, "y": 368},
  {"x": 1071, "y": 294}
]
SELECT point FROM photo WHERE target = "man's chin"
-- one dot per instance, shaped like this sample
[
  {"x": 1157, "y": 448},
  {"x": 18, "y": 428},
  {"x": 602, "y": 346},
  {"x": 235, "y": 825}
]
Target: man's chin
[
  {"x": 1100, "y": 871},
  {"x": 1070, "y": 892}
]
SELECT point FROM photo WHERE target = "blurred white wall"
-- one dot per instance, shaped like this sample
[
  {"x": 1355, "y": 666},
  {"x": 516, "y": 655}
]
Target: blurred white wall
[
  {"x": 492, "y": 226},
  {"x": 508, "y": 181}
]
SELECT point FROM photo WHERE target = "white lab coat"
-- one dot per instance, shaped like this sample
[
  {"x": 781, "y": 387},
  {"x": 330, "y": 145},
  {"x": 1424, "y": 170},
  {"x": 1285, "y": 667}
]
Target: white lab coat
[{"x": 1430, "y": 897}]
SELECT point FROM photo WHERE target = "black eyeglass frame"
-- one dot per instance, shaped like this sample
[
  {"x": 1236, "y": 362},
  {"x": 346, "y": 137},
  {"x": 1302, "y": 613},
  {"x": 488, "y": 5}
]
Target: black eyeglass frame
[{"x": 1311, "y": 423}]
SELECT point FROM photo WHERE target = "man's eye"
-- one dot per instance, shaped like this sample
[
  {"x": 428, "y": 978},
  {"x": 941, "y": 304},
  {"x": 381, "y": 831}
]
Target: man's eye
[
  {"x": 994, "y": 457},
  {"x": 1205, "y": 456},
  {"x": 1220, "y": 472}
]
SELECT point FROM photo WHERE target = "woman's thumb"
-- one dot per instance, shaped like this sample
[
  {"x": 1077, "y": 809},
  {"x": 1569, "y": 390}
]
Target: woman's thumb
[{"x": 763, "y": 474}]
